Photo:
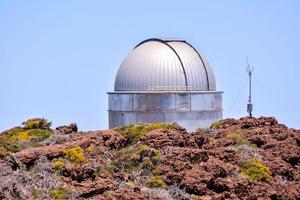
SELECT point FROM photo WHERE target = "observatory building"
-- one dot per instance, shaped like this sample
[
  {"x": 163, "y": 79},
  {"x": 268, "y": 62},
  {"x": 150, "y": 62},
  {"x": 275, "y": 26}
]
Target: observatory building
[{"x": 165, "y": 81}]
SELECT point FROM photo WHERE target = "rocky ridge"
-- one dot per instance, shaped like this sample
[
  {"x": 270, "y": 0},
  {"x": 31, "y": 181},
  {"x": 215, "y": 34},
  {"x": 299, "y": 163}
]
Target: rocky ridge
[{"x": 249, "y": 158}]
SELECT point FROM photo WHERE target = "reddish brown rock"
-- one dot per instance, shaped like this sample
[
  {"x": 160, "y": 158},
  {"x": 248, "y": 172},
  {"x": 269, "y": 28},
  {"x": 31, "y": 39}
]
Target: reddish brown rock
[
  {"x": 67, "y": 129},
  {"x": 90, "y": 188},
  {"x": 159, "y": 139},
  {"x": 108, "y": 139},
  {"x": 81, "y": 172}
]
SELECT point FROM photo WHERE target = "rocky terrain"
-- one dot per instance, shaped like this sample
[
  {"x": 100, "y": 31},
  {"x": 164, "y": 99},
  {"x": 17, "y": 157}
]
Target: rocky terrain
[{"x": 249, "y": 158}]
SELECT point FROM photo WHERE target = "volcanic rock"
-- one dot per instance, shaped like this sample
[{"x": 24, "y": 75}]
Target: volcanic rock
[{"x": 225, "y": 162}]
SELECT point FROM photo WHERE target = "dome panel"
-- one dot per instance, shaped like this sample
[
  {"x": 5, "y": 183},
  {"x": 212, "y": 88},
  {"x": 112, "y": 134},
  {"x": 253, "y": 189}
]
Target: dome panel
[
  {"x": 164, "y": 65},
  {"x": 195, "y": 70}
]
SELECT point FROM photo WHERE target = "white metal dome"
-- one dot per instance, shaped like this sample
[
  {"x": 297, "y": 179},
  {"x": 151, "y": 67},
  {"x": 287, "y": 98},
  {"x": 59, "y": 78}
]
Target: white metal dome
[{"x": 165, "y": 65}]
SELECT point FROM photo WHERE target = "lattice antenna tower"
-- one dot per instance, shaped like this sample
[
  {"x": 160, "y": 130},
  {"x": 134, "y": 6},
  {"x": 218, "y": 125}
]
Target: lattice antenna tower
[{"x": 249, "y": 70}]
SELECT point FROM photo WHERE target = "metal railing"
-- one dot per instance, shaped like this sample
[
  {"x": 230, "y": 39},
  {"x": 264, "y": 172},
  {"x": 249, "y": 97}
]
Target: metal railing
[{"x": 168, "y": 88}]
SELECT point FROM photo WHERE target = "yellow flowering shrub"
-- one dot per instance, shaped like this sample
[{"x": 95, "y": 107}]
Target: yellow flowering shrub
[
  {"x": 156, "y": 181},
  {"x": 256, "y": 170},
  {"x": 23, "y": 135},
  {"x": 60, "y": 193},
  {"x": 58, "y": 164},
  {"x": 89, "y": 150},
  {"x": 74, "y": 155}
]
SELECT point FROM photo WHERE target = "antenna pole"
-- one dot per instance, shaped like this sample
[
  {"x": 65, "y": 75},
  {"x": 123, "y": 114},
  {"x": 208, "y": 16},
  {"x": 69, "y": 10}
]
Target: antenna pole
[{"x": 249, "y": 70}]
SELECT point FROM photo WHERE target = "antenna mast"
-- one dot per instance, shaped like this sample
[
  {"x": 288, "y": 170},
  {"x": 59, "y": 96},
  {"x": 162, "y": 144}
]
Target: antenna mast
[{"x": 249, "y": 70}]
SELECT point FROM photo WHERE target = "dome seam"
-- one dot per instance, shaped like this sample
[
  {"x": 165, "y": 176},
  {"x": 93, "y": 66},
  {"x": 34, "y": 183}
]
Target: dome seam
[
  {"x": 207, "y": 79},
  {"x": 168, "y": 45}
]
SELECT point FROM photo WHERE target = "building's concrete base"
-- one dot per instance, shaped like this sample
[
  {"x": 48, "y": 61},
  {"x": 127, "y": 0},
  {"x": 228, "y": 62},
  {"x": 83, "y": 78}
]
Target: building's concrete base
[
  {"x": 189, "y": 120},
  {"x": 191, "y": 110}
]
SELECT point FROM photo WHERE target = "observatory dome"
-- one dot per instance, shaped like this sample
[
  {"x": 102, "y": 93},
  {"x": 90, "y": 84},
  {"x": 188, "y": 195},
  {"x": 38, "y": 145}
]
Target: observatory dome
[{"x": 165, "y": 65}]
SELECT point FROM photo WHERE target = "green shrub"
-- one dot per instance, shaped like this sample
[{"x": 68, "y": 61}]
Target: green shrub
[
  {"x": 136, "y": 131},
  {"x": 156, "y": 172},
  {"x": 217, "y": 124},
  {"x": 36, "y": 193},
  {"x": 4, "y": 152},
  {"x": 59, "y": 193},
  {"x": 39, "y": 134},
  {"x": 74, "y": 155},
  {"x": 7, "y": 144},
  {"x": 10, "y": 141},
  {"x": 109, "y": 169},
  {"x": 33, "y": 134},
  {"x": 256, "y": 170},
  {"x": 98, "y": 150},
  {"x": 132, "y": 158},
  {"x": 34, "y": 131},
  {"x": 146, "y": 161},
  {"x": 37, "y": 123},
  {"x": 239, "y": 138},
  {"x": 156, "y": 181}
]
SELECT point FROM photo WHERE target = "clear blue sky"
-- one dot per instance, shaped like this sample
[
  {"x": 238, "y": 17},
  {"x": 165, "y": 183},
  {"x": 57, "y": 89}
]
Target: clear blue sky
[{"x": 59, "y": 58}]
